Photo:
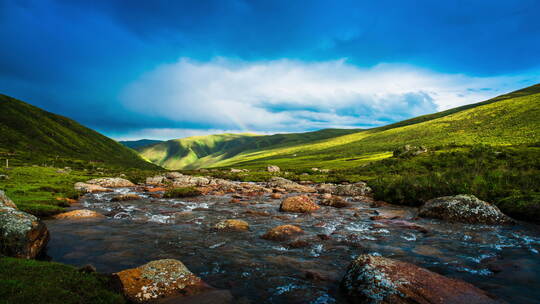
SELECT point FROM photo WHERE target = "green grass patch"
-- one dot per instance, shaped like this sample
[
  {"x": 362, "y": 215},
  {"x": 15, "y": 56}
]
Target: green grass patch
[
  {"x": 182, "y": 192},
  {"x": 29, "y": 281}
]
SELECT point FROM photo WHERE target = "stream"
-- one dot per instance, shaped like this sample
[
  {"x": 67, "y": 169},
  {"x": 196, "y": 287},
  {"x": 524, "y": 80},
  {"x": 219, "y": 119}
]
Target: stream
[{"x": 503, "y": 260}]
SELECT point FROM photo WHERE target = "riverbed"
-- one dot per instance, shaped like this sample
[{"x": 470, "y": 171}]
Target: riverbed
[{"x": 503, "y": 260}]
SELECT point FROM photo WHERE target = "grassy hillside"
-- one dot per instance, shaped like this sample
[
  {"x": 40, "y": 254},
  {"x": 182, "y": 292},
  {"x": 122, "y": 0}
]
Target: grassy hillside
[
  {"x": 205, "y": 151},
  {"x": 509, "y": 119},
  {"x": 134, "y": 144},
  {"x": 33, "y": 136}
]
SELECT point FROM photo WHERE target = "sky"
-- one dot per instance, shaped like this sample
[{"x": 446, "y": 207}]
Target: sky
[{"x": 171, "y": 69}]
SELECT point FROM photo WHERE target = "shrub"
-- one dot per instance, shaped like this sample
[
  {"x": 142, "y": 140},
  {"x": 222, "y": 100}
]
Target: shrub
[{"x": 182, "y": 192}]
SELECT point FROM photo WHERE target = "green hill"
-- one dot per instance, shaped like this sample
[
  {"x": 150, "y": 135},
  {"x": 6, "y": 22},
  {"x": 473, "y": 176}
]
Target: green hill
[
  {"x": 509, "y": 119},
  {"x": 135, "y": 144},
  {"x": 205, "y": 151},
  {"x": 33, "y": 136}
]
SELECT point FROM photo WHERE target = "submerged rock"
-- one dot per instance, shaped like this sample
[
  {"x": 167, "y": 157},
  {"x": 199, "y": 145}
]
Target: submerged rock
[
  {"x": 298, "y": 204},
  {"x": 89, "y": 188},
  {"x": 374, "y": 279},
  {"x": 282, "y": 233},
  {"x": 126, "y": 197},
  {"x": 22, "y": 235},
  {"x": 465, "y": 209},
  {"x": 79, "y": 214},
  {"x": 111, "y": 182},
  {"x": 232, "y": 225},
  {"x": 158, "y": 279},
  {"x": 336, "y": 202}
]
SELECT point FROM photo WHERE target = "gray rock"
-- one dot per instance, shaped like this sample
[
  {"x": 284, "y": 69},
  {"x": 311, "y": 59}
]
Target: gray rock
[
  {"x": 6, "y": 201},
  {"x": 288, "y": 185},
  {"x": 273, "y": 169},
  {"x": 22, "y": 235},
  {"x": 357, "y": 189},
  {"x": 111, "y": 182},
  {"x": 465, "y": 209}
]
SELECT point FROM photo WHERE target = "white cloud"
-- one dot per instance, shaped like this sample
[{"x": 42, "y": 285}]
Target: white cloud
[{"x": 288, "y": 95}]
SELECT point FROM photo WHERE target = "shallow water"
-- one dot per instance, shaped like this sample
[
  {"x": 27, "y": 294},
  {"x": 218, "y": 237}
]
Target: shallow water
[{"x": 504, "y": 260}]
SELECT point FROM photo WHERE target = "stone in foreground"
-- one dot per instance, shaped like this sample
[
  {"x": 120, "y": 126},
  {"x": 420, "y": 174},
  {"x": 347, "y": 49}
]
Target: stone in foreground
[
  {"x": 298, "y": 204},
  {"x": 374, "y": 279},
  {"x": 111, "y": 182},
  {"x": 336, "y": 202},
  {"x": 282, "y": 233},
  {"x": 160, "y": 279},
  {"x": 464, "y": 209},
  {"x": 79, "y": 214},
  {"x": 22, "y": 235},
  {"x": 232, "y": 225}
]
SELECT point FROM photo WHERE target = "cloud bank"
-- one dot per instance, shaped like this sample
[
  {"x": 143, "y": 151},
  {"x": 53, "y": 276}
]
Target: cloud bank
[{"x": 291, "y": 95}]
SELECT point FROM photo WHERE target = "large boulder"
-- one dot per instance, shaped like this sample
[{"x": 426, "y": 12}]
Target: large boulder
[
  {"x": 111, "y": 182},
  {"x": 22, "y": 235},
  {"x": 288, "y": 185},
  {"x": 159, "y": 279},
  {"x": 90, "y": 188},
  {"x": 282, "y": 233},
  {"x": 298, "y": 204},
  {"x": 6, "y": 201},
  {"x": 465, "y": 209},
  {"x": 356, "y": 189},
  {"x": 375, "y": 279}
]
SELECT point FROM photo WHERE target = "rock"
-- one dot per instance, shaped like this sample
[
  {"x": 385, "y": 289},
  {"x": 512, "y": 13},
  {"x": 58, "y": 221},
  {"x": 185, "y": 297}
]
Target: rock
[
  {"x": 273, "y": 169},
  {"x": 6, "y": 201},
  {"x": 79, "y": 214},
  {"x": 155, "y": 180},
  {"x": 238, "y": 170},
  {"x": 336, "y": 202},
  {"x": 208, "y": 297},
  {"x": 276, "y": 195},
  {"x": 174, "y": 175},
  {"x": 22, "y": 235},
  {"x": 282, "y": 233},
  {"x": 111, "y": 182},
  {"x": 409, "y": 151},
  {"x": 465, "y": 209},
  {"x": 356, "y": 189},
  {"x": 232, "y": 225},
  {"x": 126, "y": 197},
  {"x": 403, "y": 224},
  {"x": 288, "y": 185},
  {"x": 155, "y": 189},
  {"x": 298, "y": 204},
  {"x": 88, "y": 188},
  {"x": 374, "y": 279},
  {"x": 3, "y": 177},
  {"x": 87, "y": 269},
  {"x": 159, "y": 279}
]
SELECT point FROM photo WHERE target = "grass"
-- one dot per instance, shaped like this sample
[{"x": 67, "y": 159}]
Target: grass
[
  {"x": 510, "y": 119},
  {"x": 29, "y": 281},
  {"x": 182, "y": 192},
  {"x": 41, "y": 190},
  {"x": 29, "y": 135}
]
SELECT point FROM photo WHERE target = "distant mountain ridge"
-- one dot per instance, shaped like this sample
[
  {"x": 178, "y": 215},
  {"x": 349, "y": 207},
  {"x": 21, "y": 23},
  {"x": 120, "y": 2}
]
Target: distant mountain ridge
[
  {"x": 509, "y": 119},
  {"x": 34, "y": 135},
  {"x": 134, "y": 144}
]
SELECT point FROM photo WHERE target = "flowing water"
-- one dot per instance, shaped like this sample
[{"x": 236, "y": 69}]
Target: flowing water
[{"x": 504, "y": 260}]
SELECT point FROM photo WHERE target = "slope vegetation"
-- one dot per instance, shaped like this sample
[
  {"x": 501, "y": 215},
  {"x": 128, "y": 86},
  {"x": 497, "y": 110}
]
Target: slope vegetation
[
  {"x": 509, "y": 119},
  {"x": 32, "y": 135}
]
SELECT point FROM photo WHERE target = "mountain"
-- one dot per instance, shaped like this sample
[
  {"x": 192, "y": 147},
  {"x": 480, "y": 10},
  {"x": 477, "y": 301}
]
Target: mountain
[
  {"x": 205, "y": 151},
  {"x": 134, "y": 144},
  {"x": 509, "y": 119},
  {"x": 32, "y": 135}
]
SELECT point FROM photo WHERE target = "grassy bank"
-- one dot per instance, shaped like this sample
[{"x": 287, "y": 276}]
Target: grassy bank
[
  {"x": 42, "y": 191},
  {"x": 29, "y": 281}
]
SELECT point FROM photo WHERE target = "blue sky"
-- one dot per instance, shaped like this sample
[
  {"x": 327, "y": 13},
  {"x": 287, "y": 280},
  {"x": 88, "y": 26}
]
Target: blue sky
[{"x": 169, "y": 69}]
